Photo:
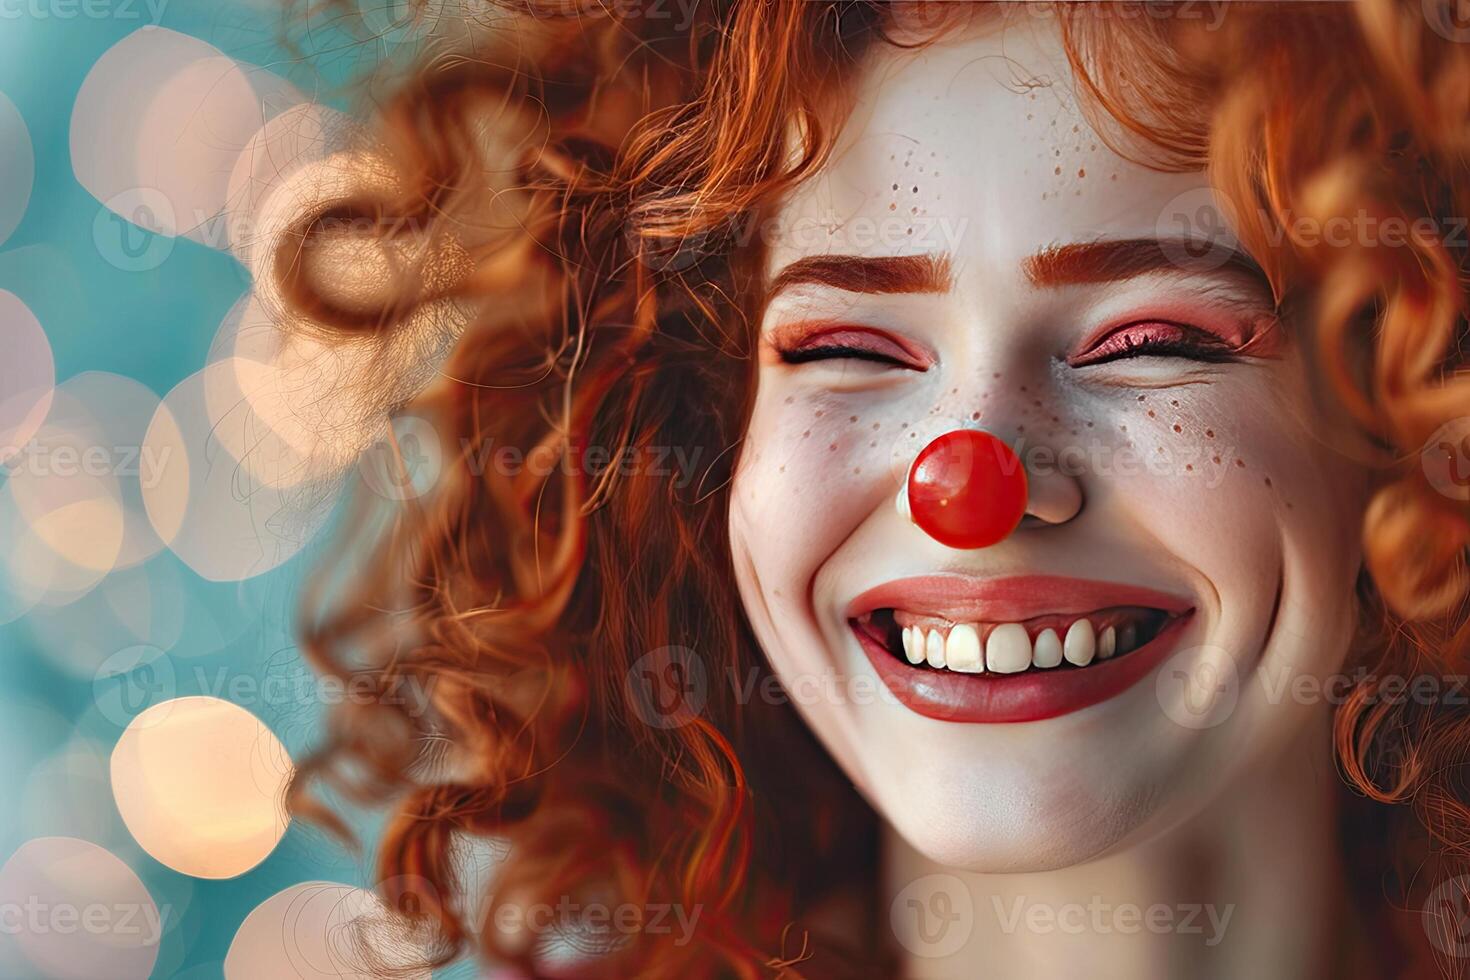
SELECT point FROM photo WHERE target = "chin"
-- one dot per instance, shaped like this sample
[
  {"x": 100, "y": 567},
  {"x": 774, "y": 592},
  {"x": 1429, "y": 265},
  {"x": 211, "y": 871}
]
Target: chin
[
  {"x": 1018, "y": 818},
  {"x": 1041, "y": 795}
]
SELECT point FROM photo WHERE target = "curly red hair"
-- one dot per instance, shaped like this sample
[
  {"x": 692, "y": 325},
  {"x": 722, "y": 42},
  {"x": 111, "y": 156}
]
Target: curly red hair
[{"x": 598, "y": 174}]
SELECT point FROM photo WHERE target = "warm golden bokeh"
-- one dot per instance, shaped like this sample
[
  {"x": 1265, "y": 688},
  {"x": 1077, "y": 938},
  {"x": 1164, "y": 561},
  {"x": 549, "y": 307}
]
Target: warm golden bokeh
[{"x": 200, "y": 783}]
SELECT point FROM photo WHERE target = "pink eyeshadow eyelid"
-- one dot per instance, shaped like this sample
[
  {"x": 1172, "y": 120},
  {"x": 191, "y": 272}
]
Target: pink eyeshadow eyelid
[
  {"x": 1236, "y": 333},
  {"x": 807, "y": 335}
]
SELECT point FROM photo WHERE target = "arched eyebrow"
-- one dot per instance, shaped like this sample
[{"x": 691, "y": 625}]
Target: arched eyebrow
[
  {"x": 1089, "y": 263},
  {"x": 1078, "y": 263},
  {"x": 925, "y": 273}
]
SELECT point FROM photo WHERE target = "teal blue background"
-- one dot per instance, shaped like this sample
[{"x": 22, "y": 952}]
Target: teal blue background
[{"x": 155, "y": 327}]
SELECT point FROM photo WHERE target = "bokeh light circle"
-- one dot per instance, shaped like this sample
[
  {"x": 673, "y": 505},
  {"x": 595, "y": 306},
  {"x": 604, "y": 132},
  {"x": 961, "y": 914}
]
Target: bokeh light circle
[
  {"x": 322, "y": 930},
  {"x": 88, "y": 457},
  {"x": 200, "y": 783},
  {"x": 166, "y": 115},
  {"x": 17, "y": 167},
  {"x": 209, "y": 509},
  {"x": 83, "y": 914},
  {"x": 27, "y": 375}
]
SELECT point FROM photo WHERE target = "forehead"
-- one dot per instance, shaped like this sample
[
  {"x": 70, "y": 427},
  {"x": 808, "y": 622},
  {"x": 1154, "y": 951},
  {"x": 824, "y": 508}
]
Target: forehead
[{"x": 974, "y": 145}]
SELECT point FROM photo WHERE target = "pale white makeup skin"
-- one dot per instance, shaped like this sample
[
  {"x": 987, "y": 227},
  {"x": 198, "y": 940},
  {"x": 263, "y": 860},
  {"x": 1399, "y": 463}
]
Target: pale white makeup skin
[{"x": 977, "y": 143}]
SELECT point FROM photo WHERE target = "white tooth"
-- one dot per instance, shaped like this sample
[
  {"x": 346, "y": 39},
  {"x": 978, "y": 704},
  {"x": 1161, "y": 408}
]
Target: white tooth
[
  {"x": 1080, "y": 644},
  {"x": 934, "y": 649},
  {"x": 1107, "y": 643},
  {"x": 1008, "y": 649},
  {"x": 913, "y": 647},
  {"x": 903, "y": 501},
  {"x": 1048, "y": 650},
  {"x": 962, "y": 650},
  {"x": 1127, "y": 638}
]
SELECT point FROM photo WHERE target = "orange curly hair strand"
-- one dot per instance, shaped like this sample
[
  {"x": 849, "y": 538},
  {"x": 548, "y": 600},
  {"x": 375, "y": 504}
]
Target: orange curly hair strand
[{"x": 599, "y": 178}]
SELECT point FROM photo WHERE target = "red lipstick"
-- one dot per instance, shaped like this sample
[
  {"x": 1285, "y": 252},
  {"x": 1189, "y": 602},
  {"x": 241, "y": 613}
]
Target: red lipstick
[{"x": 1030, "y": 695}]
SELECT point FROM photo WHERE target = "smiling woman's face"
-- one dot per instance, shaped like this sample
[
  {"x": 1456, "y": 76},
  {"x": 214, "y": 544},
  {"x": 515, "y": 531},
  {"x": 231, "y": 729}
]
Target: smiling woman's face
[{"x": 974, "y": 256}]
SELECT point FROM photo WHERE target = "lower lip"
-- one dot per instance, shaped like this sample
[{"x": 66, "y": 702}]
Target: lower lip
[{"x": 1031, "y": 695}]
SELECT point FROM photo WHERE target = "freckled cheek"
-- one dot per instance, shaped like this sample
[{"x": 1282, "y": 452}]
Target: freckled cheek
[
  {"x": 805, "y": 483},
  {"x": 1214, "y": 491}
]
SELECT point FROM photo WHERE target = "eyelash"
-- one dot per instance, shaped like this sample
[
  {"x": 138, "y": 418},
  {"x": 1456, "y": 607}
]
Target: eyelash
[
  {"x": 803, "y": 355},
  {"x": 1189, "y": 343}
]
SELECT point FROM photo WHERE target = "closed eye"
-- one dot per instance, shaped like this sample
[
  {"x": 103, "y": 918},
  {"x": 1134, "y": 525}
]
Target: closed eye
[
  {"x": 1157, "y": 338},
  {"x": 829, "y": 352},
  {"x": 827, "y": 343}
]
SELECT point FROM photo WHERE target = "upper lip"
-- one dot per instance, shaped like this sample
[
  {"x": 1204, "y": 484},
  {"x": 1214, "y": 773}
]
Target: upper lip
[{"x": 964, "y": 599}]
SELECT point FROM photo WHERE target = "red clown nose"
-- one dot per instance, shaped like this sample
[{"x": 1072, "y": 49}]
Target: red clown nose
[{"x": 967, "y": 489}]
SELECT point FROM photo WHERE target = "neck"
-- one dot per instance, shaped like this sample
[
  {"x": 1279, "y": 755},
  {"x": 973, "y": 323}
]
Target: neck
[{"x": 1248, "y": 887}]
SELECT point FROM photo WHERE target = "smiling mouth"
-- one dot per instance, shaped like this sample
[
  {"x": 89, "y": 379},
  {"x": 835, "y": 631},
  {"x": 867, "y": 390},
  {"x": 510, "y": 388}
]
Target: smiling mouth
[
  {"x": 1049, "y": 642},
  {"x": 1023, "y": 648}
]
